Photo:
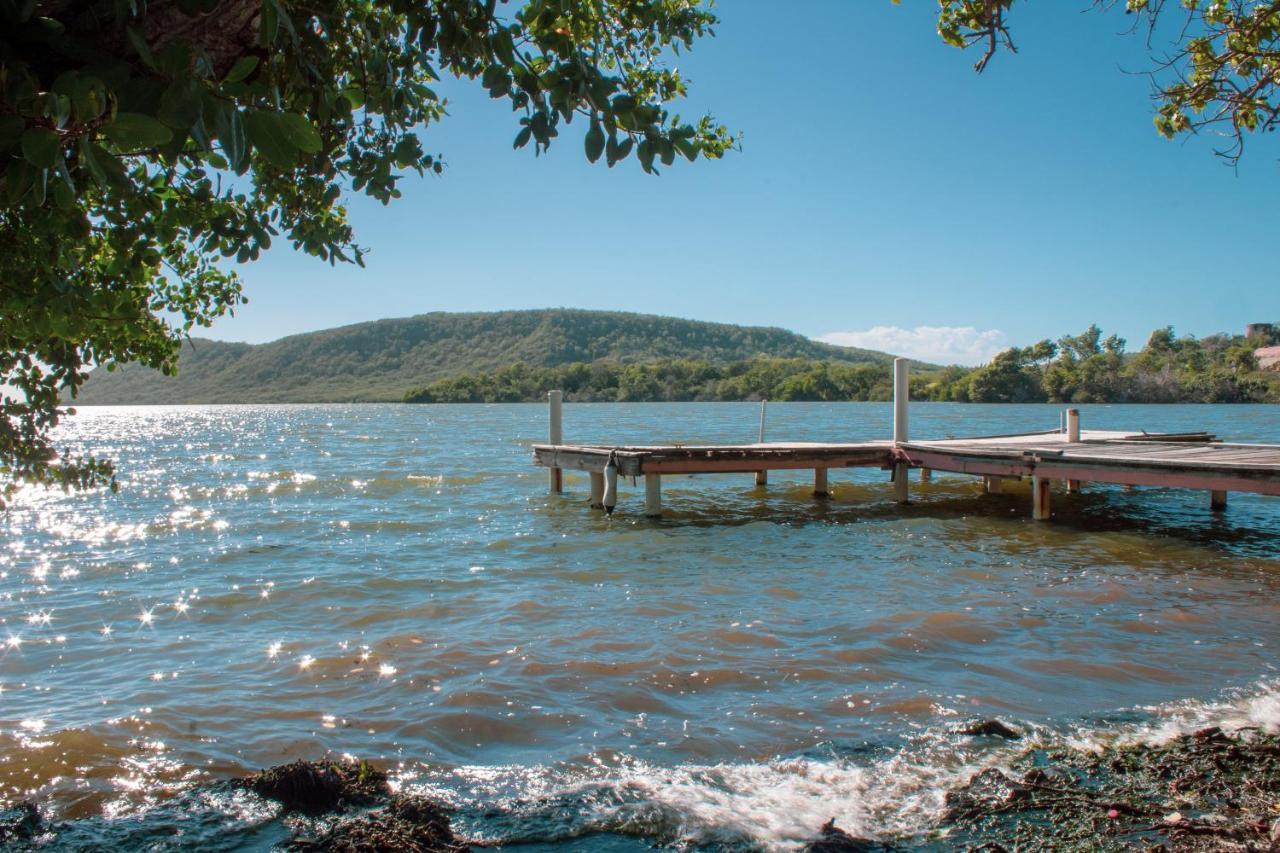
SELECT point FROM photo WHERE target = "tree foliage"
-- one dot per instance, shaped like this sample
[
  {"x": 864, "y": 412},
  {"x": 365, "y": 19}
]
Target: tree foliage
[
  {"x": 147, "y": 147},
  {"x": 1216, "y": 62},
  {"x": 1084, "y": 368}
]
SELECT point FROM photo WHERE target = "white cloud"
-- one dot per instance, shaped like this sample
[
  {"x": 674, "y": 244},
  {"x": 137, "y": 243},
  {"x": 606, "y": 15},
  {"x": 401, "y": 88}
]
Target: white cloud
[{"x": 937, "y": 344}]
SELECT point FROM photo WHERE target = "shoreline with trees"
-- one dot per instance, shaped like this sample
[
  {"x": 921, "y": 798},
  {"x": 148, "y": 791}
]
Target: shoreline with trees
[{"x": 1084, "y": 368}]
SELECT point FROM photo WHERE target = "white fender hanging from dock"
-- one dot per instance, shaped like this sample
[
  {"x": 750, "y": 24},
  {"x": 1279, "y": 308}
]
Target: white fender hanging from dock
[{"x": 610, "y": 498}]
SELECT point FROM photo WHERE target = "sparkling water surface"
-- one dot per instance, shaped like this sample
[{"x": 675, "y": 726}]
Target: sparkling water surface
[{"x": 394, "y": 582}]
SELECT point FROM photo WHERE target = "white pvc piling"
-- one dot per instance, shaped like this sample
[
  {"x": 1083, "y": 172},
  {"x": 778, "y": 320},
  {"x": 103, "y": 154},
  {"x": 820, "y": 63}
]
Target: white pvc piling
[
  {"x": 901, "y": 397},
  {"x": 1073, "y": 437}
]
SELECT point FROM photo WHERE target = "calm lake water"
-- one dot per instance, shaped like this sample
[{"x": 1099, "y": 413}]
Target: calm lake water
[{"x": 393, "y": 582}]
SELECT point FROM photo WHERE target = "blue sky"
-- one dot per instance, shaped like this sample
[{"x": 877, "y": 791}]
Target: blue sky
[{"x": 885, "y": 196}]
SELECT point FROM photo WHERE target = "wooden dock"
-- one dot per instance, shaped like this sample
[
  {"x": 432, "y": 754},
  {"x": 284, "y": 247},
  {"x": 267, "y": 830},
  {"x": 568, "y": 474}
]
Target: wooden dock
[{"x": 1071, "y": 457}]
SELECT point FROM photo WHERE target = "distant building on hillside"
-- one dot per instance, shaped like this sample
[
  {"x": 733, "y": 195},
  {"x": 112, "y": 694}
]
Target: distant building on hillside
[
  {"x": 1261, "y": 330},
  {"x": 1268, "y": 357}
]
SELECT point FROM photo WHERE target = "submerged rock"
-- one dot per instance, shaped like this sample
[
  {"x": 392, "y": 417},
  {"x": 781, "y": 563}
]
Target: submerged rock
[
  {"x": 315, "y": 787},
  {"x": 988, "y": 728},
  {"x": 410, "y": 824},
  {"x": 835, "y": 840},
  {"x": 20, "y": 823}
]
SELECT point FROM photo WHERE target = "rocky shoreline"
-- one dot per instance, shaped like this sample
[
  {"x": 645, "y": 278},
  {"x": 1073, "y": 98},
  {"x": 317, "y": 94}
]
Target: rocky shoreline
[{"x": 1210, "y": 790}]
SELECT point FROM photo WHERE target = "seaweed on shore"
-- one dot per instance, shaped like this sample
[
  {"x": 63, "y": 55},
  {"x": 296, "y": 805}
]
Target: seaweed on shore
[
  {"x": 409, "y": 824},
  {"x": 332, "y": 792},
  {"x": 1204, "y": 791},
  {"x": 316, "y": 787}
]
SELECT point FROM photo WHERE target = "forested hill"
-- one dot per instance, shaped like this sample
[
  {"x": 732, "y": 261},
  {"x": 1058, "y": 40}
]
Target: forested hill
[{"x": 384, "y": 359}]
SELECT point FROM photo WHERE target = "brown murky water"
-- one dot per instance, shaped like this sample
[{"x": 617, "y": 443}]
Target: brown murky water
[{"x": 393, "y": 582}]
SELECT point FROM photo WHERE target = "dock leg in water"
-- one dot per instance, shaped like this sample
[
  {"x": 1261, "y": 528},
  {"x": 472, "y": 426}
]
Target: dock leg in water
[
  {"x": 1217, "y": 501},
  {"x": 1073, "y": 437},
  {"x": 926, "y": 476},
  {"x": 901, "y": 396},
  {"x": 1040, "y": 498},
  {"x": 992, "y": 485},
  {"x": 900, "y": 493},
  {"x": 554, "y": 401},
  {"x": 653, "y": 495},
  {"x": 820, "y": 483},
  {"x": 762, "y": 478},
  {"x": 597, "y": 490}
]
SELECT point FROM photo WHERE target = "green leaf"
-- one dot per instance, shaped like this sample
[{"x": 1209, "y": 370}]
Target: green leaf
[
  {"x": 243, "y": 68},
  {"x": 231, "y": 133},
  {"x": 42, "y": 147},
  {"x": 63, "y": 196},
  {"x": 645, "y": 152},
  {"x": 131, "y": 131},
  {"x": 140, "y": 47},
  {"x": 180, "y": 105},
  {"x": 300, "y": 132},
  {"x": 354, "y": 96},
  {"x": 266, "y": 131},
  {"x": 269, "y": 24},
  {"x": 89, "y": 159},
  {"x": 522, "y": 138},
  {"x": 594, "y": 142},
  {"x": 11, "y": 128}
]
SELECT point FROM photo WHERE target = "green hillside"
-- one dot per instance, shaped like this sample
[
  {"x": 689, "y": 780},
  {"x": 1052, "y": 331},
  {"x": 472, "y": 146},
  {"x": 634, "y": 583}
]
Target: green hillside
[{"x": 383, "y": 360}]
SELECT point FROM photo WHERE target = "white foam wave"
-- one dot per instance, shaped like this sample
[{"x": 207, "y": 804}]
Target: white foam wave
[
  {"x": 777, "y": 805},
  {"x": 1255, "y": 707},
  {"x": 782, "y": 804}
]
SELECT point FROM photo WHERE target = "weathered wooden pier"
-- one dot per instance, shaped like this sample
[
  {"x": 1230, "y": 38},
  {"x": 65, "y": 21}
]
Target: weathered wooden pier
[{"x": 1069, "y": 456}]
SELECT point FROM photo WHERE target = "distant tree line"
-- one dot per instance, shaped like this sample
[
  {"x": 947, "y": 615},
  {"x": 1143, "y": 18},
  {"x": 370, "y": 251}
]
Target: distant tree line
[{"x": 1084, "y": 368}]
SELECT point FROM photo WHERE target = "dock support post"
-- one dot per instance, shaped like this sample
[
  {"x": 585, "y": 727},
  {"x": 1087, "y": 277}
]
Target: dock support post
[
  {"x": 1040, "y": 498},
  {"x": 926, "y": 475},
  {"x": 901, "y": 397},
  {"x": 597, "y": 490},
  {"x": 820, "y": 483},
  {"x": 1073, "y": 437},
  {"x": 1217, "y": 501},
  {"x": 1073, "y": 426},
  {"x": 554, "y": 400},
  {"x": 762, "y": 476},
  {"x": 653, "y": 495},
  {"x": 992, "y": 485}
]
